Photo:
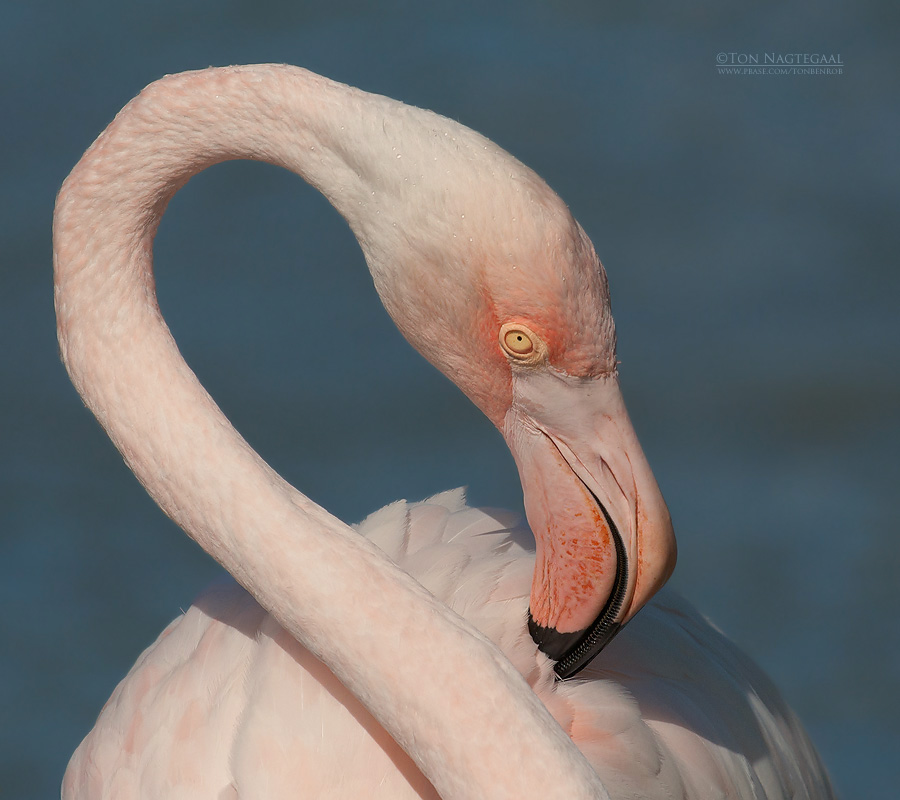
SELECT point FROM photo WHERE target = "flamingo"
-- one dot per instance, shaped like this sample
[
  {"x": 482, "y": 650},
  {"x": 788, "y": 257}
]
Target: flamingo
[{"x": 421, "y": 654}]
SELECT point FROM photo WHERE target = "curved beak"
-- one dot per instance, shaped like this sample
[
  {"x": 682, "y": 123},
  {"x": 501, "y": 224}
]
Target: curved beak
[{"x": 604, "y": 537}]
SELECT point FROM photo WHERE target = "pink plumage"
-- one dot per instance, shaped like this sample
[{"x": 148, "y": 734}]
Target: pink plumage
[
  {"x": 398, "y": 663},
  {"x": 225, "y": 703}
]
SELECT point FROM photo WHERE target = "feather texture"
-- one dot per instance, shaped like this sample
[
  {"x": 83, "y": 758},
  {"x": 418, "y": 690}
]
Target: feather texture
[{"x": 225, "y": 704}]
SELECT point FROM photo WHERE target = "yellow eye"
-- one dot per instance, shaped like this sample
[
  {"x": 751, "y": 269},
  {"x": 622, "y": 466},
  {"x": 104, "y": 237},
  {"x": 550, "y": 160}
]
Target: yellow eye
[
  {"x": 518, "y": 342},
  {"x": 522, "y": 344}
]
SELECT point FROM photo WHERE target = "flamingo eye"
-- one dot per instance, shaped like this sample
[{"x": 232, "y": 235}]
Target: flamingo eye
[
  {"x": 522, "y": 344},
  {"x": 518, "y": 342}
]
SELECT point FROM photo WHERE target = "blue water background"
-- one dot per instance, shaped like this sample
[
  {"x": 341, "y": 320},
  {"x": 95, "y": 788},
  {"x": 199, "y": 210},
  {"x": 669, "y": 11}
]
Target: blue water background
[{"x": 749, "y": 225}]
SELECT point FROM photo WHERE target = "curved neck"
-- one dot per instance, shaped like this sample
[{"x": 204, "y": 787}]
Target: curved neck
[{"x": 445, "y": 693}]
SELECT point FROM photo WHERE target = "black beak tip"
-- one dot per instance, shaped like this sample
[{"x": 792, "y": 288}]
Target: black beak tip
[
  {"x": 572, "y": 652},
  {"x": 551, "y": 642}
]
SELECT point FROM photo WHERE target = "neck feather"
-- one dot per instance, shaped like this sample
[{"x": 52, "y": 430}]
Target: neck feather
[{"x": 445, "y": 693}]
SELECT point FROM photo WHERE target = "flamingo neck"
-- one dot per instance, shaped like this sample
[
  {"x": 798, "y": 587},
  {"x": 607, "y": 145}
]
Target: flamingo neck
[{"x": 438, "y": 687}]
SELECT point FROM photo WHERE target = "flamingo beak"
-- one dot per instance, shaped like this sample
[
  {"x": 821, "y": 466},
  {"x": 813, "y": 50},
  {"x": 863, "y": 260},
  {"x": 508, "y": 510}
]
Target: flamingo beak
[{"x": 603, "y": 534}]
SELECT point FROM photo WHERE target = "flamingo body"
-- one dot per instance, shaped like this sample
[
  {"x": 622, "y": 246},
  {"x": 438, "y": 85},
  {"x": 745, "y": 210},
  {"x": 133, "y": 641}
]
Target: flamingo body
[
  {"x": 227, "y": 704},
  {"x": 412, "y": 660}
]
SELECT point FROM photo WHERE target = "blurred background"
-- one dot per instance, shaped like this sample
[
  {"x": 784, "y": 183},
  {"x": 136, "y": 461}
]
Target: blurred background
[{"x": 749, "y": 226}]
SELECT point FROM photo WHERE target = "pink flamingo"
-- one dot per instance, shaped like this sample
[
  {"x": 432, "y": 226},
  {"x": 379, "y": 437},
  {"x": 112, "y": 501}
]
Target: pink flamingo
[{"x": 398, "y": 663}]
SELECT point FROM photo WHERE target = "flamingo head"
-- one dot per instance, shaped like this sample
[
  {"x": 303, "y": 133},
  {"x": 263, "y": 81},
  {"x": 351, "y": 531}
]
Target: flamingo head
[{"x": 486, "y": 272}]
